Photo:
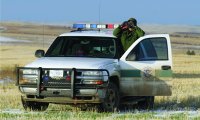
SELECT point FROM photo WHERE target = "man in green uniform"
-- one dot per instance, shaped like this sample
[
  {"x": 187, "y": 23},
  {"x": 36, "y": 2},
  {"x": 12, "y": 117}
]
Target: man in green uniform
[{"x": 128, "y": 32}]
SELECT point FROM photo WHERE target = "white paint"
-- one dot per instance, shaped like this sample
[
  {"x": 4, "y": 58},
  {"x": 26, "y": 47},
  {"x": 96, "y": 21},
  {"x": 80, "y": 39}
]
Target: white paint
[
  {"x": 70, "y": 62},
  {"x": 89, "y": 33}
]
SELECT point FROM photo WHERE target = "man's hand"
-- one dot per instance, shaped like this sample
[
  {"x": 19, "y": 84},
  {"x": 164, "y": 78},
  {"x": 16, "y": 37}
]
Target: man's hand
[{"x": 124, "y": 25}]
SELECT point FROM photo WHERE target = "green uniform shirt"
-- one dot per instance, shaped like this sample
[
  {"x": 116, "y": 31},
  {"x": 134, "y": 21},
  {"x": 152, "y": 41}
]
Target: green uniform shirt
[{"x": 128, "y": 37}]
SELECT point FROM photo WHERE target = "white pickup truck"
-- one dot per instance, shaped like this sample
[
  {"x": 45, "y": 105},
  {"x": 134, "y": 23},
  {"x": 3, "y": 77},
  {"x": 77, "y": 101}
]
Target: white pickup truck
[{"x": 90, "y": 68}]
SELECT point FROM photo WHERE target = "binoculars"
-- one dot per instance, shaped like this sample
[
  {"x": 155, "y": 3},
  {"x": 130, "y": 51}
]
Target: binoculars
[{"x": 127, "y": 24}]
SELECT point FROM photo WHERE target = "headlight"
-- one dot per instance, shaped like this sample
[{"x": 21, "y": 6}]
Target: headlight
[
  {"x": 30, "y": 71},
  {"x": 28, "y": 76},
  {"x": 94, "y": 77}
]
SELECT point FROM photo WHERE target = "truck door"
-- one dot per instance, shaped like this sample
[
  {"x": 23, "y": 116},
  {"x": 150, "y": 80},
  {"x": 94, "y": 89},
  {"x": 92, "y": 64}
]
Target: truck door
[{"x": 146, "y": 67}]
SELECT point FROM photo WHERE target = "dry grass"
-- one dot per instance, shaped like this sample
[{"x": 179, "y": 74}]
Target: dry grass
[
  {"x": 185, "y": 82},
  {"x": 10, "y": 97},
  {"x": 11, "y": 108},
  {"x": 12, "y": 56},
  {"x": 21, "y": 55},
  {"x": 186, "y": 40},
  {"x": 188, "y": 64}
]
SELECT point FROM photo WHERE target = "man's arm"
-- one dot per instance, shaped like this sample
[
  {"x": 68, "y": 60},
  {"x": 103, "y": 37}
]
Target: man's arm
[
  {"x": 117, "y": 32},
  {"x": 140, "y": 32}
]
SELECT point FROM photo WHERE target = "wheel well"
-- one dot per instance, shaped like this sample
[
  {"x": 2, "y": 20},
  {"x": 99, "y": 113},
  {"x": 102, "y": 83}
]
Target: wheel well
[{"x": 115, "y": 80}]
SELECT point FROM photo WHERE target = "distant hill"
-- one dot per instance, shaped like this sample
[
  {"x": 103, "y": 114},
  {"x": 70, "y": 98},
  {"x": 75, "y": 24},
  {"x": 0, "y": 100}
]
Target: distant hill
[
  {"x": 157, "y": 28},
  {"x": 37, "y": 28}
]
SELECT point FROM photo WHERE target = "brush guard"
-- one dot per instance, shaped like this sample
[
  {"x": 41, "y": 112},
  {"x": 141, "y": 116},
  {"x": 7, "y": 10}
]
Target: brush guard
[{"x": 72, "y": 80}]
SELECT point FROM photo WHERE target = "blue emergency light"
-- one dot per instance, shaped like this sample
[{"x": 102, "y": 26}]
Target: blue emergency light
[
  {"x": 93, "y": 25},
  {"x": 79, "y": 25}
]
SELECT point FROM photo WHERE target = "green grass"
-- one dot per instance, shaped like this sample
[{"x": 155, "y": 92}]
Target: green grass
[
  {"x": 79, "y": 115},
  {"x": 56, "y": 115}
]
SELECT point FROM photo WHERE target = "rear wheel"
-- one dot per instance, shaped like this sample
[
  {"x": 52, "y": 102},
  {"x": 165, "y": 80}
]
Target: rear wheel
[
  {"x": 111, "y": 101},
  {"x": 34, "y": 106},
  {"x": 148, "y": 103}
]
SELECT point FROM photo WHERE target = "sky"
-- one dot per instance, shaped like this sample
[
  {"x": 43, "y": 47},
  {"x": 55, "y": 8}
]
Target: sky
[{"x": 183, "y": 12}]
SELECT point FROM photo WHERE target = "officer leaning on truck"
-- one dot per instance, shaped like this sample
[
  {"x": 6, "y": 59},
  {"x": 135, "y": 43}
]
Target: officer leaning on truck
[{"x": 128, "y": 32}]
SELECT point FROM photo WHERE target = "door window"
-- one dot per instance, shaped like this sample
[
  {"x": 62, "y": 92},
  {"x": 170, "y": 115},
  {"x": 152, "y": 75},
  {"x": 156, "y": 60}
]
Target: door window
[{"x": 149, "y": 49}]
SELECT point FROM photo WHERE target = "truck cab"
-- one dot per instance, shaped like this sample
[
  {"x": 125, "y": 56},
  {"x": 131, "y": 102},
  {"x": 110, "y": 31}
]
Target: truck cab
[{"x": 90, "y": 67}]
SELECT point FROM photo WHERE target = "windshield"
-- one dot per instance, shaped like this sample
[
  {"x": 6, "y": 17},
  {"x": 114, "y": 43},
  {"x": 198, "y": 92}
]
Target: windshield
[{"x": 65, "y": 46}]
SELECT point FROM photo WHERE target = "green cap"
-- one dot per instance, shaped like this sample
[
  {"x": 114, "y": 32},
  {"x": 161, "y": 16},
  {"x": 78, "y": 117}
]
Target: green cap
[{"x": 133, "y": 20}]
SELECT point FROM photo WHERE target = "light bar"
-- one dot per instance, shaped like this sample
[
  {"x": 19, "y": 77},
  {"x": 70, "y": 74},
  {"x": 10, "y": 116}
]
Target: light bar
[
  {"x": 87, "y": 26},
  {"x": 110, "y": 26},
  {"x": 116, "y": 25},
  {"x": 94, "y": 26}
]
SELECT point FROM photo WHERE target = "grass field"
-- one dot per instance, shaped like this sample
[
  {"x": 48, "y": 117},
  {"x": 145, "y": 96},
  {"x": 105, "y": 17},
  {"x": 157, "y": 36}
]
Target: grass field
[{"x": 185, "y": 84}]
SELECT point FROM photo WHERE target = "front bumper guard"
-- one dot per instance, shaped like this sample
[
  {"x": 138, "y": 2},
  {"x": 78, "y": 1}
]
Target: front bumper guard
[{"x": 71, "y": 90}]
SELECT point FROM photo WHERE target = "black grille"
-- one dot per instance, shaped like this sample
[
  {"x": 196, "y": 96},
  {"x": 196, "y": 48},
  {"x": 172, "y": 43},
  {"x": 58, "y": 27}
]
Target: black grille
[
  {"x": 49, "y": 81},
  {"x": 57, "y": 84}
]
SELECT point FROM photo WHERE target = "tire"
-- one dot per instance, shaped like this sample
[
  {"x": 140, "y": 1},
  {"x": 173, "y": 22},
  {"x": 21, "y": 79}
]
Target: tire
[
  {"x": 34, "y": 106},
  {"x": 111, "y": 101},
  {"x": 147, "y": 104}
]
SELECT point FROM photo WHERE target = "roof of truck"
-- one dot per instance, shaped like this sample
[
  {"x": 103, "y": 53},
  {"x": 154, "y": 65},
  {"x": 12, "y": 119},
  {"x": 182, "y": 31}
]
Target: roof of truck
[{"x": 91, "y": 33}]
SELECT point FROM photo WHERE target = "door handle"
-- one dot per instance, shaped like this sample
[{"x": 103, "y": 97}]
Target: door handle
[{"x": 166, "y": 67}]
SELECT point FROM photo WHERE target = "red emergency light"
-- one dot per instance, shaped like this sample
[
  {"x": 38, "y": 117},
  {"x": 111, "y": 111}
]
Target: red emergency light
[{"x": 110, "y": 26}]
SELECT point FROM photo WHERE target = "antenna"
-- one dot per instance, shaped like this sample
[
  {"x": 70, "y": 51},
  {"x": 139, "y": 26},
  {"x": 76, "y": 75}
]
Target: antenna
[
  {"x": 43, "y": 36},
  {"x": 99, "y": 11}
]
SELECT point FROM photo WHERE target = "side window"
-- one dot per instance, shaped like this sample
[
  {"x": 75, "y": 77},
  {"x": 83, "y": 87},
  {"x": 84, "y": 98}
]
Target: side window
[
  {"x": 136, "y": 54},
  {"x": 149, "y": 49},
  {"x": 160, "y": 45}
]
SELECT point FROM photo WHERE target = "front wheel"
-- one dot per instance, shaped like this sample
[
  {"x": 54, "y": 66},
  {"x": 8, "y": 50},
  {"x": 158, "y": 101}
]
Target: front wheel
[
  {"x": 148, "y": 103},
  {"x": 111, "y": 101},
  {"x": 34, "y": 106}
]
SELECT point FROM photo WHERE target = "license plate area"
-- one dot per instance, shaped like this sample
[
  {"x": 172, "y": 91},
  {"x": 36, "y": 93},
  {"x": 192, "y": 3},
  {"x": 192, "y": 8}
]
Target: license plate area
[
  {"x": 56, "y": 78},
  {"x": 56, "y": 73}
]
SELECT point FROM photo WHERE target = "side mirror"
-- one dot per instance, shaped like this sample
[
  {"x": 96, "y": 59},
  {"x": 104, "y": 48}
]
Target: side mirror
[{"x": 39, "y": 53}]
